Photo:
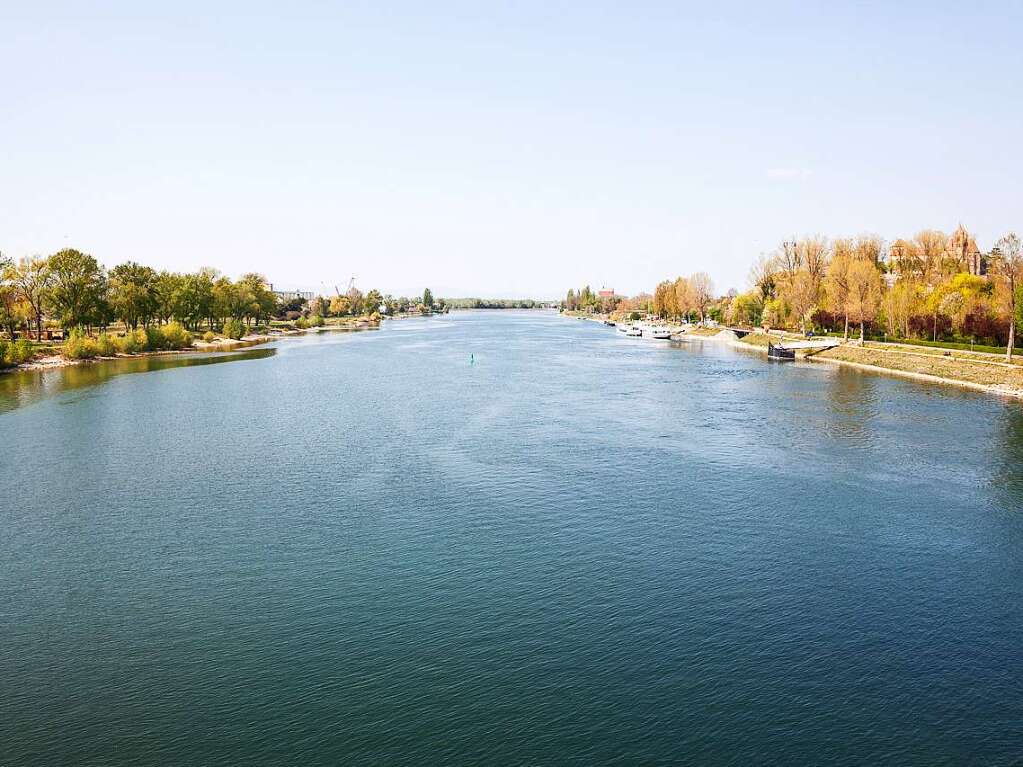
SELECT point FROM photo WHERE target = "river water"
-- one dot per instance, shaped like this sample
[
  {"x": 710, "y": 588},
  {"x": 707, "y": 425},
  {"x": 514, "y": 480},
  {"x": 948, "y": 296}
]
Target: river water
[{"x": 507, "y": 538}]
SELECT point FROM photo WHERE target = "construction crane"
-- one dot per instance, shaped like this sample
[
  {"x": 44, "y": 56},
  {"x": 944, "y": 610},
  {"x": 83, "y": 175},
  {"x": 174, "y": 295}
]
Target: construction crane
[{"x": 351, "y": 284}]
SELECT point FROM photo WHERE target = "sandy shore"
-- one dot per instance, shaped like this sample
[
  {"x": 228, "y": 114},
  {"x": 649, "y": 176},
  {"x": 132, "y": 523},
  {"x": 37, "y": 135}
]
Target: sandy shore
[{"x": 53, "y": 361}]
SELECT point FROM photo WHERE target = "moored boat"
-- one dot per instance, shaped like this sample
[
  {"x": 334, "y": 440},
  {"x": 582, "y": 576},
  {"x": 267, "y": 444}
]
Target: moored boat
[{"x": 658, "y": 332}]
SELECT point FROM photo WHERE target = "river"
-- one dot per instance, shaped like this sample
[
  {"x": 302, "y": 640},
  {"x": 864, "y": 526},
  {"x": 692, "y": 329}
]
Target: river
[{"x": 507, "y": 538}]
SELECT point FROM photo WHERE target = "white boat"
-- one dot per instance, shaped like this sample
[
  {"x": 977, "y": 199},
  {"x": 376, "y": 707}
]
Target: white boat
[
  {"x": 634, "y": 331},
  {"x": 623, "y": 327},
  {"x": 658, "y": 332}
]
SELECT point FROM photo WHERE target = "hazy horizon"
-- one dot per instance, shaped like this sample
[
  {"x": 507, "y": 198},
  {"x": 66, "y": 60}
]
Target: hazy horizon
[{"x": 501, "y": 152}]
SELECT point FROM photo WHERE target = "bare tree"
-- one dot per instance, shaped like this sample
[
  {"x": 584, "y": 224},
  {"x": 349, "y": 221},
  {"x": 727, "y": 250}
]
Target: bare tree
[
  {"x": 802, "y": 294},
  {"x": 813, "y": 255},
  {"x": 899, "y": 303},
  {"x": 864, "y": 293},
  {"x": 870, "y": 248},
  {"x": 789, "y": 258},
  {"x": 703, "y": 292},
  {"x": 763, "y": 276},
  {"x": 1009, "y": 267},
  {"x": 836, "y": 283},
  {"x": 683, "y": 296},
  {"x": 930, "y": 245}
]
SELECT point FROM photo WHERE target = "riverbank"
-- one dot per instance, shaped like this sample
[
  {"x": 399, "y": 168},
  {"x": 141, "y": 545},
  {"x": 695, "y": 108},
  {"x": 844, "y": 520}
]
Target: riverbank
[
  {"x": 971, "y": 370},
  {"x": 55, "y": 361}
]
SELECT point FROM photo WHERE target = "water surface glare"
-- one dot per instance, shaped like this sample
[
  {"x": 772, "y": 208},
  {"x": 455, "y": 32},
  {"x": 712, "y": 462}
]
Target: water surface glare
[{"x": 584, "y": 549}]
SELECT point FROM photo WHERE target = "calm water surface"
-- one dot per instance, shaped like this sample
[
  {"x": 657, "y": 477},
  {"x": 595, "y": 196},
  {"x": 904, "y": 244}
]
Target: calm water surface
[{"x": 361, "y": 549}]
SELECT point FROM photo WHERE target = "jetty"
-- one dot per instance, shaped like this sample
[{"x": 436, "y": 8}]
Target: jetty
[{"x": 786, "y": 350}]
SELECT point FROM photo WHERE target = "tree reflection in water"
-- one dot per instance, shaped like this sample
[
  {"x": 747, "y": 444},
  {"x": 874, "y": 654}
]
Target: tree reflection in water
[{"x": 23, "y": 387}]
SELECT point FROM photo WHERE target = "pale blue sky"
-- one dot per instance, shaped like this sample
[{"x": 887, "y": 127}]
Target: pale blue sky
[{"x": 500, "y": 149}]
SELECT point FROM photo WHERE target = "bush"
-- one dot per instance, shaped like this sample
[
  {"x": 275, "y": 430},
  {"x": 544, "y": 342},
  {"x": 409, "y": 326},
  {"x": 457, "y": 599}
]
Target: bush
[
  {"x": 79, "y": 346},
  {"x": 315, "y": 321},
  {"x": 132, "y": 342},
  {"x": 209, "y": 337},
  {"x": 233, "y": 329},
  {"x": 16, "y": 352},
  {"x": 175, "y": 336},
  {"x": 105, "y": 346},
  {"x": 154, "y": 339},
  {"x": 22, "y": 351},
  {"x": 302, "y": 323}
]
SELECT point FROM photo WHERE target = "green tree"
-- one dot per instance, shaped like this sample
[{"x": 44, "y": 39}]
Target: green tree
[
  {"x": 427, "y": 300},
  {"x": 355, "y": 300},
  {"x": 133, "y": 293},
  {"x": 13, "y": 309},
  {"x": 193, "y": 300},
  {"x": 79, "y": 285},
  {"x": 232, "y": 300},
  {"x": 166, "y": 288},
  {"x": 233, "y": 328},
  {"x": 340, "y": 306},
  {"x": 262, "y": 303},
  {"x": 746, "y": 308},
  {"x": 374, "y": 299},
  {"x": 33, "y": 279}
]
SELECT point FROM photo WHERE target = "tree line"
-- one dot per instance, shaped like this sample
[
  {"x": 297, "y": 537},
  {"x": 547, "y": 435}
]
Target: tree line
[
  {"x": 73, "y": 289},
  {"x": 684, "y": 297},
  {"x": 371, "y": 304},
  {"x": 932, "y": 286},
  {"x": 492, "y": 303},
  {"x": 585, "y": 300}
]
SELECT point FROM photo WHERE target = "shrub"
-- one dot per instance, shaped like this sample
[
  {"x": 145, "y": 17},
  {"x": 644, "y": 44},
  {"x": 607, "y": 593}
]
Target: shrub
[
  {"x": 209, "y": 337},
  {"x": 17, "y": 352},
  {"x": 315, "y": 321},
  {"x": 175, "y": 336},
  {"x": 105, "y": 346},
  {"x": 233, "y": 329},
  {"x": 132, "y": 342},
  {"x": 154, "y": 339},
  {"x": 302, "y": 323},
  {"x": 79, "y": 346}
]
